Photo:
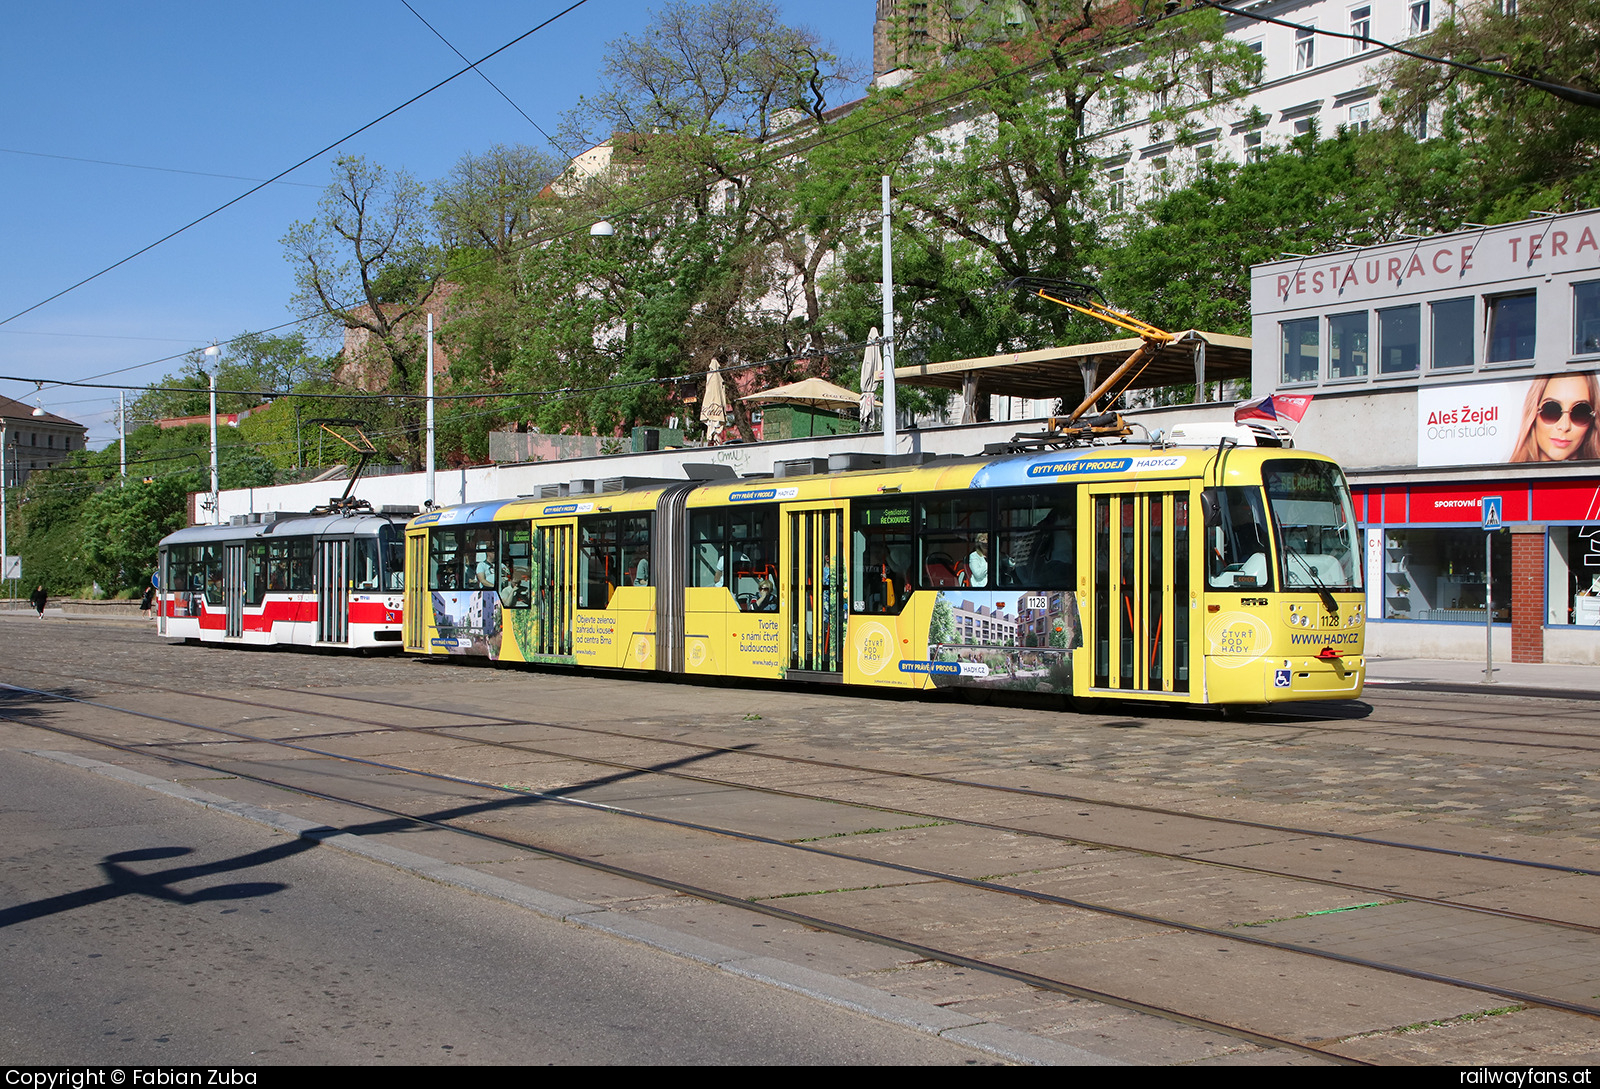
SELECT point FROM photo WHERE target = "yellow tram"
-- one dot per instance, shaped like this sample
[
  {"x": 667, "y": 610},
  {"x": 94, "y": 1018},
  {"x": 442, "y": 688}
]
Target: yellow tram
[{"x": 1227, "y": 574}]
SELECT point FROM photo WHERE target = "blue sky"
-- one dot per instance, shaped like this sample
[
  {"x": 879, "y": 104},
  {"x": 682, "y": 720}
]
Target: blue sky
[{"x": 244, "y": 90}]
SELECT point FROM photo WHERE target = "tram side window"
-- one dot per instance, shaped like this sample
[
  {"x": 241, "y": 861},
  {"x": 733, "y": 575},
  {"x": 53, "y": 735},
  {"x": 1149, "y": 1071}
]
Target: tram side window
[
  {"x": 211, "y": 565},
  {"x": 297, "y": 558},
  {"x": 1035, "y": 543},
  {"x": 881, "y": 556},
  {"x": 954, "y": 541},
  {"x": 516, "y": 566},
  {"x": 612, "y": 552},
  {"x": 1237, "y": 541},
  {"x": 737, "y": 548},
  {"x": 255, "y": 572}
]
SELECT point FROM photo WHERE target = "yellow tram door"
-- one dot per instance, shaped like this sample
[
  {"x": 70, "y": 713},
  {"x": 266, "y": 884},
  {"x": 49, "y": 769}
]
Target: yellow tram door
[
  {"x": 1139, "y": 589},
  {"x": 813, "y": 595}
]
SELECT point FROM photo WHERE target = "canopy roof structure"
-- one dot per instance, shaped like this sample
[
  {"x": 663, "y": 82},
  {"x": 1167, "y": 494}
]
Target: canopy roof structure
[{"x": 1195, "y": 356}]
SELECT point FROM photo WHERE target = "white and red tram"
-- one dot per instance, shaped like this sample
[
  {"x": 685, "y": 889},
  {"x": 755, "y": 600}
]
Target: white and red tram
[{"x": 329, "y": 580}]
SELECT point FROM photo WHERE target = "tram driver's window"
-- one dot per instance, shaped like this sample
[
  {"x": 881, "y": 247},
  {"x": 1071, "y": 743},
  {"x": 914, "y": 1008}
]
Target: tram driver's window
[
  {"x": 881, "y": 556},
  {"x": 1238, "y": 545},
  {"x": 444, "y": 560}
]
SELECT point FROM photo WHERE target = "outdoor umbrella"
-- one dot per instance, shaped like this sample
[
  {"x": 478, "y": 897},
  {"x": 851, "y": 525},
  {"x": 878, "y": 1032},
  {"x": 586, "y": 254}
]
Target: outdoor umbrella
[
  {"x": 871, "y": 371},
  {"x": 714, "y": 407},
  {"x": 812, "y": 392}
]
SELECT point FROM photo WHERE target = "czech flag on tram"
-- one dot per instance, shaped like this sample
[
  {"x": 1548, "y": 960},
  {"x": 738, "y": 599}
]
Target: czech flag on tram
[{"x": 1280, "y": 406}]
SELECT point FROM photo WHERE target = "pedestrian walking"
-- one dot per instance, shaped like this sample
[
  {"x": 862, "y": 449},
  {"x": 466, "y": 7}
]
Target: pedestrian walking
[
  {"x": 147, "y": 600},
  {"x": 40, "y": 599}
]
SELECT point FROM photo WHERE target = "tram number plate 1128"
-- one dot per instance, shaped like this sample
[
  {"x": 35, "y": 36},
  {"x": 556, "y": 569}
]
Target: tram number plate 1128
[{"x": 1037, "y": 601}]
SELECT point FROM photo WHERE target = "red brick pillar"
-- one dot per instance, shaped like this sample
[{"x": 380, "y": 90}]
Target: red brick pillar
[{"x": 1527, "y": 593}]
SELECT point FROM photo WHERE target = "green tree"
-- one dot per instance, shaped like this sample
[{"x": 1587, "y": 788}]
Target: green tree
[
  {"x": 122, "y": 526},
  {"x": 251, "y": 368},
  {"x": 367, "y": 265},
  {"x": 995, "y": 152},
  {"x": 1186, "y": 264},
  {"x": 1530, "y": 149}
]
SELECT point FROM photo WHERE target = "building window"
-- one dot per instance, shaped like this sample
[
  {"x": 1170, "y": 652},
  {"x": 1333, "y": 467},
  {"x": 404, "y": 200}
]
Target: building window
[
  {"x": 1437, "y": 574},
  {"x": 1417, "y": 124},
  {"x": 1508, "y": 8},
  {"x": 1305, "y": 48},
  {"x": 1116, "y": 190},
  {"x": 1511, "y": 327},
  {"x": 1361, "y": 28},
  {"x": 1361, "y": 116},
  {"x": 1586, "y": 318},
  {"x": 1453, "y": 334},
  {"x": 1304, "y": 126},
  {"x": 1252, "y": 147},
  {"x": 1399, "y": 339},
  {"x": 1204, "y": 152},
  {"x": 1421, "y": 16},
  {"x": 1347, "y": 345},
  {"x": 1301, "y": 353}
]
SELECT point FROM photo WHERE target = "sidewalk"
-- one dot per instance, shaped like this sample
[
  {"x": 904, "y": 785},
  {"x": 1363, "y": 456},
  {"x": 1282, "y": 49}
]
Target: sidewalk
[{"x": 1515, "y": 678}]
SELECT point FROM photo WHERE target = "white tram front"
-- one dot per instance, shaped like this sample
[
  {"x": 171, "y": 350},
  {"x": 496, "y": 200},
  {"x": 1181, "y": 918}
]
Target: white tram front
[{"x": 319, "y": 580}]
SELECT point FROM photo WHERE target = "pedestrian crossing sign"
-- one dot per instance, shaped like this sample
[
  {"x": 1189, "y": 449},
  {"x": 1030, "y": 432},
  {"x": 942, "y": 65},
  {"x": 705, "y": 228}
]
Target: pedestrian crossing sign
[{"x": 1491, "y": 512}]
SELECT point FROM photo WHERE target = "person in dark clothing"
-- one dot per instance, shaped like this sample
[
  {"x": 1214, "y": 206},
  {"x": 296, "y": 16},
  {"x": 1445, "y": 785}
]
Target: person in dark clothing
[
  {"x": 40, "y": 599},
  {"x": 148, "y": 599}
]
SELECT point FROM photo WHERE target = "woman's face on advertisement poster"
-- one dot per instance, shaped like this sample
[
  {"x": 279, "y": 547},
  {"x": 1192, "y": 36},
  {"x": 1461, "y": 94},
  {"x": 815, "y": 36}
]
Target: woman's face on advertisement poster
[{"x": 1565, "y": 416}]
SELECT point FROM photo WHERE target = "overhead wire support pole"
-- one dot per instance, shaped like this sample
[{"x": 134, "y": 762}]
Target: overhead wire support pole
[
  {"x": 429, "y": 386},
  {"x": 888, "y": 330}
]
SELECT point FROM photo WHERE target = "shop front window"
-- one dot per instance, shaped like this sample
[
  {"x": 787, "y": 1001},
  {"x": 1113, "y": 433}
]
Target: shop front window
[
  {"x": 1438, "y": 575},
  {"x": 1574, "y": 565}
]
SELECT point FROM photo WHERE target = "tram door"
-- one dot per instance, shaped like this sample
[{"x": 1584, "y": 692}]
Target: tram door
[
  {"x": 233, "y": 589},
  {"x": 333, "y": 591},
  {"x": 554, "y": 577},
  {"x": 1140, "y": 589},
  {"x": 416, "y": 584},
  {"x": 815, "y": 582}
]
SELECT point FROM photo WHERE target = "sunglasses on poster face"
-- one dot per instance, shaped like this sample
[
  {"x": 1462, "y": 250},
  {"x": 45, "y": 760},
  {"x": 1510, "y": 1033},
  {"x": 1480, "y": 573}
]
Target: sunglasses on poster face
[{"x": 1582, "y": 413}]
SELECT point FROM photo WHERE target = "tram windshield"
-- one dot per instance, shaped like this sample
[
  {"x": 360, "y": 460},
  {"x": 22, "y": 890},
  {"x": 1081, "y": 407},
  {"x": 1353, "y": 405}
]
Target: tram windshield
[{"x": 1315, "y": 525}]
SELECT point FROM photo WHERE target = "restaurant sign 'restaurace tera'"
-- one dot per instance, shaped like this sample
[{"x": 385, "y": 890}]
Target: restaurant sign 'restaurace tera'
[{"x": 1548, "y": 246}]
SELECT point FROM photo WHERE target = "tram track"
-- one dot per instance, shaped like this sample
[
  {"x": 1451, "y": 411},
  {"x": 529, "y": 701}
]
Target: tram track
[
  {"x": 903, "y": 869},
  {"x": 525, "y": 747}
]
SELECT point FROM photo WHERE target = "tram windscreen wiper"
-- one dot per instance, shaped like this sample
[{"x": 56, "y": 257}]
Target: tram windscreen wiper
[{"x": 1322, "y": 587}]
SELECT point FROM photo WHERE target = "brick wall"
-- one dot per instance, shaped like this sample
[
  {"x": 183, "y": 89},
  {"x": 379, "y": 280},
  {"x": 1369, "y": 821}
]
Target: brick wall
[{"x": 1527, "y": 594}]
